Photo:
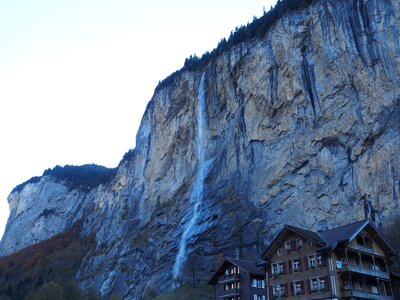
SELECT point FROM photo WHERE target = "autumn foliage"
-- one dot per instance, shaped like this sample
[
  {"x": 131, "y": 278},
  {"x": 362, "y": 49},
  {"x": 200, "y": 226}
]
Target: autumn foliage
[{"x": 46, "y": 267}]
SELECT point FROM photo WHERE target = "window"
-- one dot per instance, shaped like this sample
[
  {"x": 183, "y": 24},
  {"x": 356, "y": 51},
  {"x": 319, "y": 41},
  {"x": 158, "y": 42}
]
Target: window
[
  {"x": 278, "y": 291},
  {"x": 309, "y": 244},
  {"x": 288, "y": 246},
  {"x": 258, "y": 297},
  {"x": 258, "y": 283},
  {"x": 322, "y": 284},
  {"x": 299, "y": 244},
  {"x": 319, "y": 260},
  {"x": 315, "y": 260},
  {"x": 231, "y": 286},
  {"x": 318, "y": 284},
  {"x": 298, "y": 287},
  {"x": 277, "y": 268},
  {"x": 296, "y": 265},
  {"x": 279, "y": 252},
  {"x": 311, "y": 261}
]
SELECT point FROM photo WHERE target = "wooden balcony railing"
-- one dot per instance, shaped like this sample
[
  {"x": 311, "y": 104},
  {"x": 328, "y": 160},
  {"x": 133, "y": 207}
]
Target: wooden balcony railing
[
  {"x": 229, "y": 293},
  {"x": 366, "y": 271},
  {"x": 365, "y": 249},
  {"x": 229, "y": 278},
  {"x": 366, "y": 295}
]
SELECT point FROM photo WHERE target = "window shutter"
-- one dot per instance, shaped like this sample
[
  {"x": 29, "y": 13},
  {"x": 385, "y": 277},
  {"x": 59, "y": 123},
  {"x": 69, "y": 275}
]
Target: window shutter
[
  {"x": 309, "y": 286},
  {"x": 286, "y": 289},
  {"x": 270, "y": 272},
  {"x": 271, "y": 293},
  {"x": 293, "y": 245},
  {"x": 290, "y": 266},
  {"x": 300, "y": 269},
  {"x": 323, "y": 260},
  {"x": 284, "y": 267},
  {"x": 292, "y": 289},
  {"x": 303, "y": 288},
  {"x": 327, "y": 283},
  {"x": 306, "y": 262}
]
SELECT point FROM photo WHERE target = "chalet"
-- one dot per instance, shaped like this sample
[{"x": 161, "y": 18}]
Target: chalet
[
  {"x": 237, "y": 279},
  {"x": 347, "y": 262}
]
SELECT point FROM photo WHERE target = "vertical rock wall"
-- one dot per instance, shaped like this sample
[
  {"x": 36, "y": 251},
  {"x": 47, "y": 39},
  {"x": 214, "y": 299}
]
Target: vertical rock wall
[{"x": 302, "y": 127}]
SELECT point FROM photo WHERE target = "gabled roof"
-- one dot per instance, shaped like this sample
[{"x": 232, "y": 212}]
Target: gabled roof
[
  {"x": 330, "y": 238},
  {"x": 244, "y": 266},
  {"x": 307, "y": 234},
  {"x": 343, "y": 233},
  {"x": 349, "y": 232}
]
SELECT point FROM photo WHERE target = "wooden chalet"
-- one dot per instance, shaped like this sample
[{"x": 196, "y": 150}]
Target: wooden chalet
[
  {"x": 237, "y": 279},
  {"x": 347, "y": 262}
]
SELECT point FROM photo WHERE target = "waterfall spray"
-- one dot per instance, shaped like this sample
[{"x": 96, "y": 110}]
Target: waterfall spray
[{"x": 196, "y": 196}]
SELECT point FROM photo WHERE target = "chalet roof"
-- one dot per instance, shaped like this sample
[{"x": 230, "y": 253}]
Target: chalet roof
[
  {"x": 343, "y": 233},
  {"x": 330, "y": 238},
  {"x": 307, "y": 233},
  {"x": 314, "y": 236},
  {"x": 244, "y": 266}
]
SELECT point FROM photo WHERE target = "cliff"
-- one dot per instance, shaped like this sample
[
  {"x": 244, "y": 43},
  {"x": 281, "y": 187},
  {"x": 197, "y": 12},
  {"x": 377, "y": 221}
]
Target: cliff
[{"x": 301, "y": 126}]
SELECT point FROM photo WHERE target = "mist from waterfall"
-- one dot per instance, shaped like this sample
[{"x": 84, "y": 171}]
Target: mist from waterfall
[{"x": 196, "y": 196}]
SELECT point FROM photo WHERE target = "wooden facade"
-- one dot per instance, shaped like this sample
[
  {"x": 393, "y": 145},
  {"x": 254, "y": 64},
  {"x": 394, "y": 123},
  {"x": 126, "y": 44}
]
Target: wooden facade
[
  {"x": 239, "y": 280},
  {"x": 347, "y": 262}
]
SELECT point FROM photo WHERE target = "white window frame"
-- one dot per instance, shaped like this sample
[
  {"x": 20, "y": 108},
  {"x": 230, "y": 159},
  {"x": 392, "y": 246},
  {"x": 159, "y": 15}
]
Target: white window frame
[
  {"x": 319, "y": 260},
  {"x": 295, "y": 265},
  {"x": 288, "y": 245},
  {"x": 297, "y": 288},
  {"x": 299, "y": 244},
  {"x": 318, "y": 284},
  {"x": 312, "y": 261},
  {"x": 314, "y": 284},
  {"x": 322, "y": 283},
  {"x": 278, "y": 290},
  {"x": 277, "y": 268}
]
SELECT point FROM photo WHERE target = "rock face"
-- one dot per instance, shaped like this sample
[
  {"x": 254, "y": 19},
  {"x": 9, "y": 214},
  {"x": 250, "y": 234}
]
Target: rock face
[{"x": 301, "y": 127}]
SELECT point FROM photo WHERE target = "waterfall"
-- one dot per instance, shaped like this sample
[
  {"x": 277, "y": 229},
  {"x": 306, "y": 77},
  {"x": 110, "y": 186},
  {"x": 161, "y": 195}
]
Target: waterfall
[{"x": 196, "y": 196}]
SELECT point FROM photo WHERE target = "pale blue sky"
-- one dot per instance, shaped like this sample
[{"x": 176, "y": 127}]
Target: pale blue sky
[{"x": 76, "y": 75}]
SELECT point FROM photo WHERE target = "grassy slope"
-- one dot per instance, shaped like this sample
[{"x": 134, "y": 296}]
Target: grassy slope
[{"x": 187, "y": 292}]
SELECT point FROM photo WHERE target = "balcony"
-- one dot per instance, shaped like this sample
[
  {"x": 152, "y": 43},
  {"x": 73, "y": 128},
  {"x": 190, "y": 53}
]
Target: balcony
[
  {"x": 365, "y": 271},
  {"x": 229, "y": 293},
  {"x": 366, "y": 295},
  {"x": 364, "y": 249},
  {"x": 229, "y": 278}
]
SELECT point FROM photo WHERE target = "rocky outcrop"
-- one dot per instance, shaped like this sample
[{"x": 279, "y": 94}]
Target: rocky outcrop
[{"x": 301, "y": 127}]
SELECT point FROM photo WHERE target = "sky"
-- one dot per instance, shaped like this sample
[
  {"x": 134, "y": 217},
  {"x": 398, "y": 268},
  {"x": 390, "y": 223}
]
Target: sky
[{"x": 76, "y": 75}]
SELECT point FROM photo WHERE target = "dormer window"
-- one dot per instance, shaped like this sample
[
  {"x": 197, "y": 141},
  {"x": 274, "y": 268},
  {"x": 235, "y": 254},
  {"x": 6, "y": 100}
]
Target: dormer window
[
  {"x": 288, "y": 246},
  {"x": 299, "y": 244}
]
